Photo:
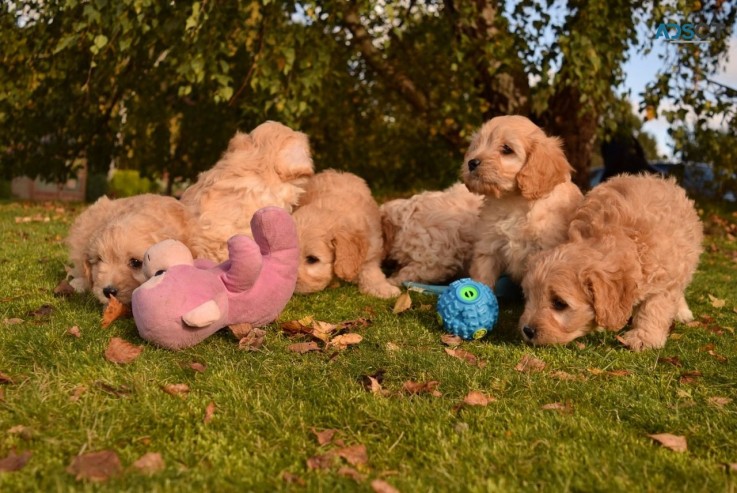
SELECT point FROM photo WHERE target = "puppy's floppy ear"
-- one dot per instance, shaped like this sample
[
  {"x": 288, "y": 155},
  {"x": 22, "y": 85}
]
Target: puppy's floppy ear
[
  {"x": 612, "y": 285},
  {"x": 240, "y": 142},
  {"x": 389, "y": 231},
  {"x": 350, "y": 253},
  {"x": 295, "y": 158},
  {"x": 545, "y": 168}
]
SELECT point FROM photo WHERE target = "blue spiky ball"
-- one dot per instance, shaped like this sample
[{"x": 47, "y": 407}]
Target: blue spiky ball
[{"x": 468, "y": 309}]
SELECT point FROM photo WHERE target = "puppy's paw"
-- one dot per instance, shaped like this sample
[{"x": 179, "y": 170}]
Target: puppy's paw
[
  {"x": 79, "y": 284},
  {"x": 684, "y": 315},
  {"x": 384, "y": 290},
  {"x": 639, "y": 339}
]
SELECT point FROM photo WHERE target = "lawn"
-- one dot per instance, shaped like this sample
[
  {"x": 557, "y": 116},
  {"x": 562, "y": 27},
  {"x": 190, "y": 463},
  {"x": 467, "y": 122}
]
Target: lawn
[{"x": 575, "y": 418}]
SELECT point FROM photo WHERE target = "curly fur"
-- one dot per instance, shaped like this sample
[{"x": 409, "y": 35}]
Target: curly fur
[
  {"x": 339, "y": 228},
  {"x": 108, "y": 240},
  {"x": 634, "y": 246},
  {"x": 431, "y": 235},
  {"x": 529, "y": 196},
  {"x": 269, "y": 166}
]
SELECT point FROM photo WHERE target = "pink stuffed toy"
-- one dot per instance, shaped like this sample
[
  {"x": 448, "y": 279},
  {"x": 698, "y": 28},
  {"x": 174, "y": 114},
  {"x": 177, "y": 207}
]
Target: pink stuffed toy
[{"x": 186, "y": 301}]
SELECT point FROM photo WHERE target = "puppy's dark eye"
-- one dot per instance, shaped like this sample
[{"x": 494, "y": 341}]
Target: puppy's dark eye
[
  {"x": 159, "y": 272},
  {"x": 311, "y": 259},
  {"x": 558, "y": 304},
  {"x": 93, "y": 261},
  {"x": 506, "y": 150},
  {"x": 134, "y": 263}
]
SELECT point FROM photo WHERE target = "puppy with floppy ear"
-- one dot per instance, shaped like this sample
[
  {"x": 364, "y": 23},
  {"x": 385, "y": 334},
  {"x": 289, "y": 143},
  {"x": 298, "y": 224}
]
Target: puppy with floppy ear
[
  {"x": 269, "y": 166},
  {"x": 617, "y": 264},
  {"x": 529, "y": 196},
  {"x": 339, "y": 229}
]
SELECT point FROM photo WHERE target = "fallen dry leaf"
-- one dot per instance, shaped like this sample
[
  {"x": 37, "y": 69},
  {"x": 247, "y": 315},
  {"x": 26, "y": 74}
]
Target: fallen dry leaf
[
  {"x": 149, "y": 463},
  {"x": 319, "y": 462},
  {"x": 355, "y": 455},
  {"x": 563, "y": 407},
  {"x": 690, "y": 376},
  {"x": 422, "y": 387},
  {"x": 117, "y": 391},
  {"x": 113, "y": 311},
  {"x": 64, "y": 289},
  {"x": 673, "y": 360},
  {"x": 14, "y": 462},
  {"x": 209, "y": 412},
  {"x": 295, "y": 327},
  {"x": 562, "y": 375},
  {"x": 121, "y": 351},
  {"x": 403, "y": 303},
  {"x": 304, "y": 347},
  {"x": 381, "y": 486},
  {"x": 529, "y": 364},
  {"x": 74, "y": 331},
  {"x": 2, "y": 394},
  {"x": 464, "y": 355},
  {"x": 179, "y": 389},
  {"x": 717, "y": 356},
  {"x": 716, "y": 302},
  {"x": 323, "y": 330},
  {"x": 350, "y": 473},
  {"x": 12, "y": 321},
  {"x": 324, "y": 437},
  {"x": 42, "y": 311},
  {"x": 719, "y": 401},
  {"x": 5, "y": 378},
  {"x": 358, "y": 323},
  {"x": 240, "y": 330},
  {"x": 451, "y": 340},
  {"x": 672, "y": 442},
  {"x": 78, "y": 391},
  {"x": 345, "y": 340},
  {"x": 95, "y": 466},
  {"x": 619, "y": 373},
  {"x": 198, "y": 367},
  {"x": 390, "y": 346},
  {"x": 23, "y": 431},
  {"x": 253, "y": 341},
  {"x": 291, "y": 478},
  {"x": 476, "y": 398}
]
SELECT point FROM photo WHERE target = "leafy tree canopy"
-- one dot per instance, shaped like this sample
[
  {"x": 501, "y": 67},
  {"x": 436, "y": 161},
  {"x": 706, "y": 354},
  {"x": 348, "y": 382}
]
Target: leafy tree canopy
[{"x": 391, "y": 90}]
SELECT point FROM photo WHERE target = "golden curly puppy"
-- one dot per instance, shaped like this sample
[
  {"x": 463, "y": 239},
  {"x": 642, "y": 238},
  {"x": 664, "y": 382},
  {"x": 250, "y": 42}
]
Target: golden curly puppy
[
  {"x": 634, "y": 246},
  {"x": 339, "y": 228},
  {"x": 529, "y": 196},
  {"x": 431, "y": 235},
  {"x": 269, "y": 166},
  {"x": 108, "y": 240}
]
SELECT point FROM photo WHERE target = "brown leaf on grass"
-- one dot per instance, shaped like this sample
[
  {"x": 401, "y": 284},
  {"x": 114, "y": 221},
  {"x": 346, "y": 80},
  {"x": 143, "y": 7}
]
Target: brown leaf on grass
[
  {"x": 253, "y": 341},
  {"x": 209, "y": 412},
  {"x": 95, "y": 466},
  {"x": 320, "y": 462},
  {"x": 121, "y": 351},
  {"x": 149, "y": 463},
  {"x": 113, "y": 311},
  {"x": 178, "y": 389},
  {"x": 15, "y": 462},
  {"x": 291, "y": 478},
  {"x": 672, "y": 442},
  {"x": 690, "y": 376},
  {"x": 562, "y": 407},
  {"x": 562, "y": 375},
  {"x": 23, "y": 431},
  {"x": 430, "y": 387},
  {"x": 77, "y": 393},
  {"x": 381, "y": 486},
  {"x": 476, "y": 398},
  {"x": 12, "y": 321},
  {"x": 74, "y": 332},
  {"x": 324, "y": 437},
  {"x": 390, "y": 346},
  {"x": 530, "y": 364},
  {"x": 350, "y": 473},
  {"x": 304, "y": 347},
  {"x": 2, "y": 394},
  {"x": 5, "y": 379},
  {"x": 295, "y": 327},
  {"x": 464, "y": 355},
  {"x": 719, "y": 401},
  {"x": 403, "y": 303},
  {"x": 716, "y": 302},
  {"x": 619, "y": 373},
  {"x": 720, "y": 358},
  {"x": 358, "y": 323},
  {"x": 64, "y": 289},
  {"x": 198, "y": 367},
  {"x": 322, "y": 330},
  {"x": 345, "y": 340},
  {"x": 42, "y": 311},
  {"x": 240, "y": 331},
  {"x": 355, "y": 455},
  {"x": 117, "y": 391},
  {"x": 451, "y": 340},
  {"x": 673, "y": 360}
]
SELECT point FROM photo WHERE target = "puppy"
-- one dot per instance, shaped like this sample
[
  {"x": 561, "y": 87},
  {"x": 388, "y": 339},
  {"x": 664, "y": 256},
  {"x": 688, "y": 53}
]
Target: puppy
[
  {"x": 529, "y": 196},
  {"x": 269, "y": 166},
  {"x": 108, "y": 240},
  {"x": 431, "y": 235},
  {"x": 339, "y": 228},
  {"x": 634, "y": 246}
]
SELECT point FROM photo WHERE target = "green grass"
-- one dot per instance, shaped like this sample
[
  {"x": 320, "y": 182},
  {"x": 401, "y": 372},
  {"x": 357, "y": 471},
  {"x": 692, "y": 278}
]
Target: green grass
[{"x": 268, "y": 402}]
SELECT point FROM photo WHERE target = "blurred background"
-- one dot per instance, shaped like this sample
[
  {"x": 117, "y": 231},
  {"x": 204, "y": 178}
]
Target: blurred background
[{"x": 128, "y": 96}]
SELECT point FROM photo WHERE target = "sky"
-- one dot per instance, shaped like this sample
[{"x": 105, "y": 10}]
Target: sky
[{"x": 640, "y": 70}]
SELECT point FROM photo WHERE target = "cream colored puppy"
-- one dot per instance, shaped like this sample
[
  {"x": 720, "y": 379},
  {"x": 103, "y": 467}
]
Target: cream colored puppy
[
  {"x": 634, "y": 247},
  {"x": 269, "y": 166},
  {"x": 339, "y": 228},
  {"x": 431, "y": 235},
  {"x": 529, "y": 196}
]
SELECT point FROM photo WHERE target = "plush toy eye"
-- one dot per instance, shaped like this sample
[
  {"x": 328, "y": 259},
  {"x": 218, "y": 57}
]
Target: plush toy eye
[
  {"x": 558, "y": 304},
  {"x": 311, "y": 259},
  {"x": 134, "y": 263},
  {"x": 506, "y": 150}
]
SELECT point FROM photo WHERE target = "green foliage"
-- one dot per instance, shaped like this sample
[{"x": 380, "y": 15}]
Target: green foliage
[
  {"x": 127, "y": 182},
  {"x": 97, "y": 186},
  {"x": 66, "y": 399}
]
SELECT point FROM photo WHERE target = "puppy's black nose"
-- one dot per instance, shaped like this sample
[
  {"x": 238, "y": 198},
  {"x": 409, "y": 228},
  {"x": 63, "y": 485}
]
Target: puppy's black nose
[
  {"x": 529, "y": 332},
  {"x": 109, "y": 291},
  {"x": 473, "y": 164}
]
